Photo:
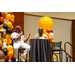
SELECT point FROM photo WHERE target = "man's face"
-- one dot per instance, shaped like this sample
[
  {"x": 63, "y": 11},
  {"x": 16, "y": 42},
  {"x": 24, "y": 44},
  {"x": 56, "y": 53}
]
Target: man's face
[
  {"x": 19, "y": 30},
  {"x": 40, "y": 31}
]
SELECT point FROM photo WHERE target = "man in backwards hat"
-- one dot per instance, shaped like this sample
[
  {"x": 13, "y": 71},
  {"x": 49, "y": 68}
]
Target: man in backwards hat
[{"x": 19, "y": 42}]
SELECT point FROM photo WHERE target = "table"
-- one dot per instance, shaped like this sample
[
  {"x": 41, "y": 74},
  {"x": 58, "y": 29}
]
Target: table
[{"x": 40, "y": 50}]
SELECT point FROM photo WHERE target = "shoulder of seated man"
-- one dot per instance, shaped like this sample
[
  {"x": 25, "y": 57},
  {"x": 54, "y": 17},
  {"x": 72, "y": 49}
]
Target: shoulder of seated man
[
  {"x": 14, "y": 33},
  {"x": 45, "y": 35},
  {"x": 36, "y": 36}
]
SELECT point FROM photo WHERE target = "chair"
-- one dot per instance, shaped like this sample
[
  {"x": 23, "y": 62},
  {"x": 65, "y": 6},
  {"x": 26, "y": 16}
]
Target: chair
[
  {"x": 56, "y": 47},
  {"x": 19, "y": 51}
]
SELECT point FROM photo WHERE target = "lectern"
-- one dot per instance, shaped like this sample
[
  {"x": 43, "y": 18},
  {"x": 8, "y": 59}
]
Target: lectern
[{"x": 40, "y": 50}]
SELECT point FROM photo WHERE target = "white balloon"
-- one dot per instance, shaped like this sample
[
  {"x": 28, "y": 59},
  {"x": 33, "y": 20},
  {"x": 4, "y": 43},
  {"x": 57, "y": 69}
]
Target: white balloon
[
  {"x": 5, "y": 22},
  {"x": 2, "y": 29},
  {"x": 51, "y": 34},
  {"x": 4, "y": 32},
  {"x": 4, "y": 45},
  {"x": 6, "y": 12}
]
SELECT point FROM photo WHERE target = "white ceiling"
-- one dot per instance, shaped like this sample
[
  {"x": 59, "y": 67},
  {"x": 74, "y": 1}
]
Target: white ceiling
[{"x": 64, "y": 15}]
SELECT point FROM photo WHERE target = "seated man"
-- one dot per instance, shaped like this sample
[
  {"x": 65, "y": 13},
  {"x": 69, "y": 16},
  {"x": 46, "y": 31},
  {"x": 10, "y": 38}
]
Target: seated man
[
  {"x": 41, "y": 35},
  {"x": 19, "y": 42},
  {"x": 2, "y": 56}
]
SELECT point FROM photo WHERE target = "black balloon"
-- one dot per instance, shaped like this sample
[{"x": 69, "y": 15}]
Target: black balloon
[
  {"x": 9, "y": 31},
  {"x": 0, "y": 13},
  {"x": 0, "y": 23},
  {"x": 5, "y": 51},
  {"x": 52, "y": 31},
  {"x": 5, "y": 26}
]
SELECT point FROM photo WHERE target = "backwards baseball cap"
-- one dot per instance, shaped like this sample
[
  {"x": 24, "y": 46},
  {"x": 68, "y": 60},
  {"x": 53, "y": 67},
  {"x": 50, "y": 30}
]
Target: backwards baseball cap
[{"x": 17, "y": 27}]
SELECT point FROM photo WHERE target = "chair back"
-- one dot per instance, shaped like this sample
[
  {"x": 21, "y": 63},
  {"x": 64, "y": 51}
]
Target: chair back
[{"x": 56, "y": 45}]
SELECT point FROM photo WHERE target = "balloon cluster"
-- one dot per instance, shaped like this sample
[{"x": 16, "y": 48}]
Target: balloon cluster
[
  {"x": 6, "y": 26},
  {"x": 49, "y": 34},
  {"x": 46, "y": 23}
]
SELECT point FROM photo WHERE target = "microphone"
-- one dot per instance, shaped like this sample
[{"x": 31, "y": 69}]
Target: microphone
[{"x": 21, "y": 31}]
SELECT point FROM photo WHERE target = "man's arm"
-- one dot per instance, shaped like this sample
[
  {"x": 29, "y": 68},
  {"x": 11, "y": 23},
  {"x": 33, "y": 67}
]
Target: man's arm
[
  {"x": 27, "y": 38},
  {"x": 16, "y": 39}
]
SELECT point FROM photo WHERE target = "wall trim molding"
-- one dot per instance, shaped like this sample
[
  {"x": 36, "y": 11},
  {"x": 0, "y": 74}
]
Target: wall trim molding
[{"x": 49, "y": 16}]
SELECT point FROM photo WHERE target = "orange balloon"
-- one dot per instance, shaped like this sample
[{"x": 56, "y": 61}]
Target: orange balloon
[
  {"x": 9, "y": 24},
  {"x": 46, "y": 34},
  {"x": 8, "y": 36},
  {"x": 44, "y": 31},
  {"x": 3, "y": 14},
  {"x": 10, "y": 13},
  {"x": 53, "y": 53},
  {"x": 8, "y": 16},
  {"x": 12, "y": 27},
  {"x": 10, "y": 48},
  {"x": 9, "y": 42},
  {"x": 51, "y": 38},
  {"x": 5, "y": 40},
  {"x": 27, "y": 59},
  {"x": 10, "y": 54},
  {"x": 53, "y": 57},
  {"x": 6, "y": 57},
  {"x": 14, "y": 54},
  {"x": 2, "y": 19},
  {"x": 4, "y": 36},
  {"x": 12, "y": 21},
  {"x": 24, "y": 57},
  {"x": 45, "y": 23},
  {"x": 48, "y": 30},
  {"x": 12, "y": 17}
]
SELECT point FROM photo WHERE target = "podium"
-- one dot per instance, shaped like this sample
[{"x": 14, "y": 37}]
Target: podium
[
  {"x": 40, "y": 50},
  {"x": 1, "y": 40}
]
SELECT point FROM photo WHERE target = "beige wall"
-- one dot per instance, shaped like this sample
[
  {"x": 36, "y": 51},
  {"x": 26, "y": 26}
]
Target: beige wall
[
  {"x": 62, "y": 30},
  {"x": 65, "y": 15}
]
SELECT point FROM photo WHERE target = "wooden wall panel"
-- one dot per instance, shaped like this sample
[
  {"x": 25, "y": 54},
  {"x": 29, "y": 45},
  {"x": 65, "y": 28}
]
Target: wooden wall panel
[
  {"x": 73, "y": 45},
  {"x": 19, "y": 19},
  {"x": 73, "y": 24},
  {"x": 73, "y": 38},
  {"x": 73, "y": 34}
]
